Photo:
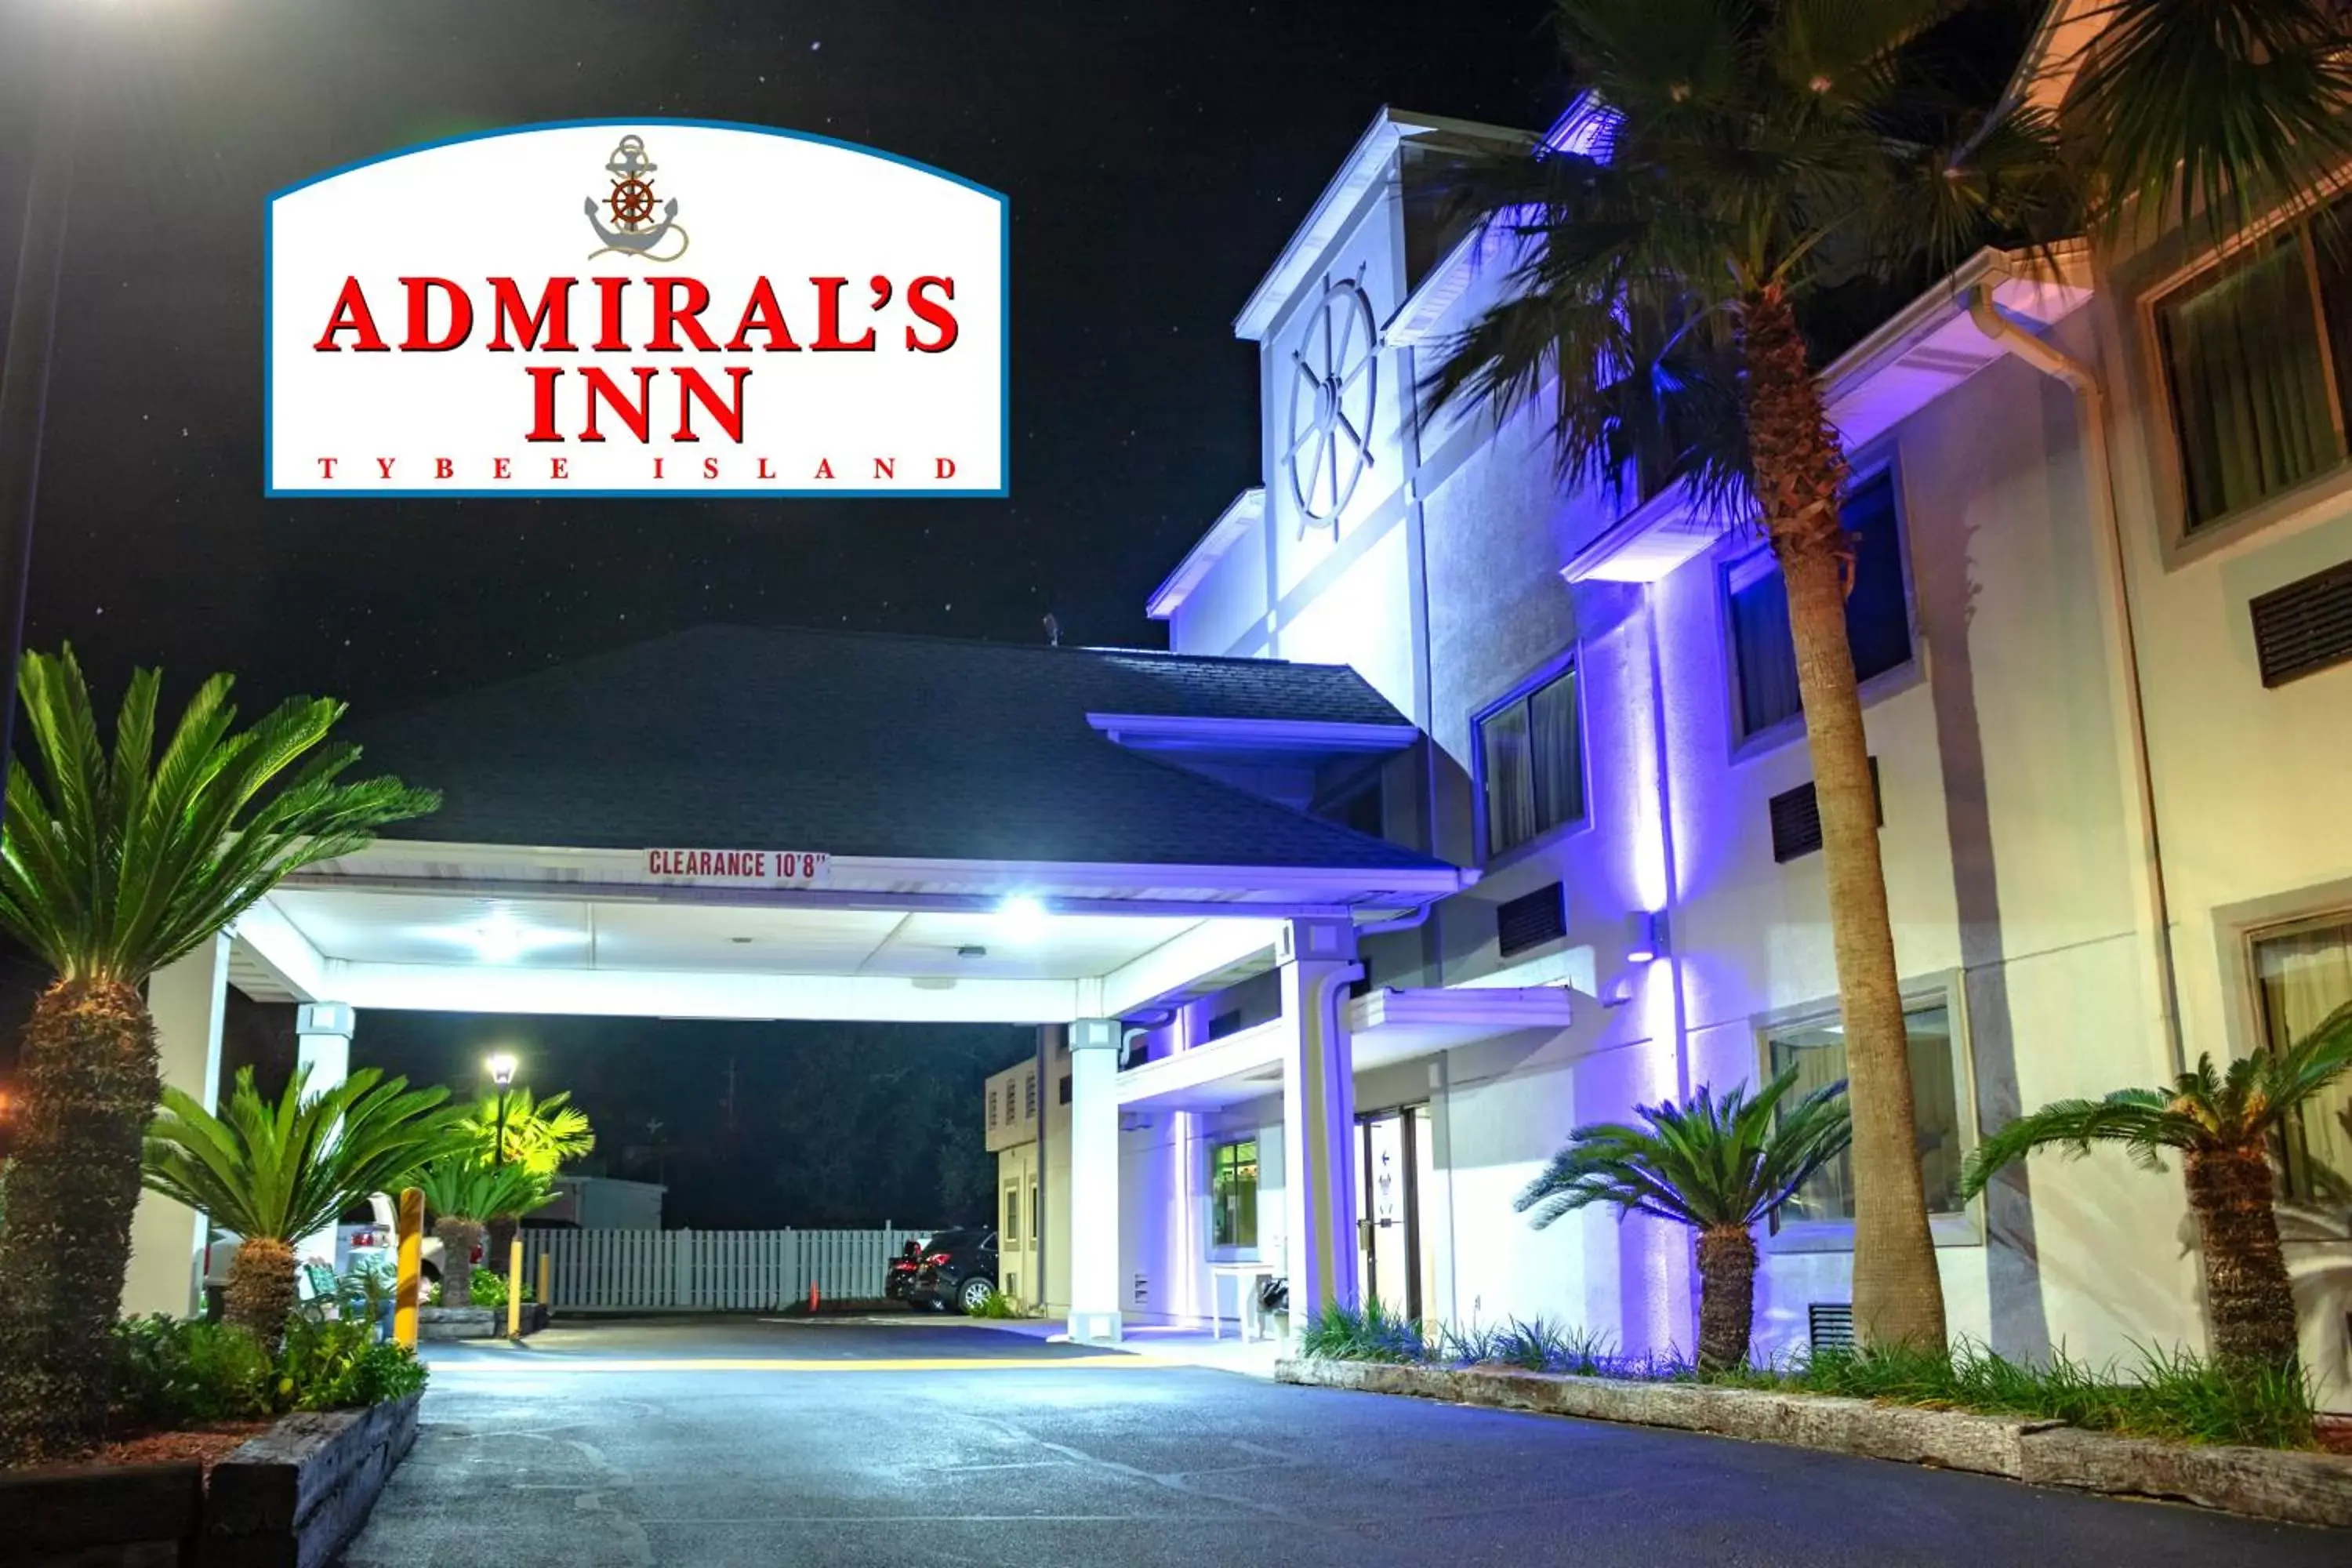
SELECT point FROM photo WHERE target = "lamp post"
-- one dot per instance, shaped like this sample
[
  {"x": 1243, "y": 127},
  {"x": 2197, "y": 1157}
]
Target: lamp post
[{"x": 503, "y": 1070}]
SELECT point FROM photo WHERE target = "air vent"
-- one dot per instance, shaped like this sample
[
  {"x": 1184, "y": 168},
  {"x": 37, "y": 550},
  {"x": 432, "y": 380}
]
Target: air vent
[
  {"x": 2306, "y": 626},
  {"x": 1797, "y": 818},
  {"x": 1831, "y": 1325},
  {"x": 1530, "y": 921}
]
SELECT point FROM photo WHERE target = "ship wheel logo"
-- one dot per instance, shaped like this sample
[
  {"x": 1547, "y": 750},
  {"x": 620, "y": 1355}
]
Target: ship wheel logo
[
  {"x": 1335, "y": 379},
  {"x": 631, "y": 202}
]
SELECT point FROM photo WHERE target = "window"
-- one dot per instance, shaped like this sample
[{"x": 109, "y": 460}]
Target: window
[
  {"x": 1029, "y": 1098},
  {"x": 1013, "y": 1216},
  {"x": 2303, "y": 974},
  {"x": 1816, "y": 1049},
  {"x": 1531, "y": 764},
  {"x": 1233, "y": 1195},
  {"x": 1065, "y": 1087},
  {"x": 2254, "y": 352},
  {"x": 1877, "y": 613}
]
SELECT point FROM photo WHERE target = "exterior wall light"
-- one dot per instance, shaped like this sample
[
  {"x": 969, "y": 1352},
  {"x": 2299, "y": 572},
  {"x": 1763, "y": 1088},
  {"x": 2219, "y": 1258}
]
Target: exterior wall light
[{"x": 1646, "y": 936}]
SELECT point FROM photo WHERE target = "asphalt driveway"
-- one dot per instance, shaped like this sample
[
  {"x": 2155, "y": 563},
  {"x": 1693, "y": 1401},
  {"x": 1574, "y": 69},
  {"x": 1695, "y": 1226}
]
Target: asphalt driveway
[{"x": 742, "y": 1441}]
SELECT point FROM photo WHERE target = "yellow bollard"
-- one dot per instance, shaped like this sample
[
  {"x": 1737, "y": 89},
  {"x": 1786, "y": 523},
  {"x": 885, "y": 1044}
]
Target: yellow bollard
[
  {"x": 546, "y": 1280},
  {"x": 514, "y": 1288},
  {"x": 409, "y": 1281}
]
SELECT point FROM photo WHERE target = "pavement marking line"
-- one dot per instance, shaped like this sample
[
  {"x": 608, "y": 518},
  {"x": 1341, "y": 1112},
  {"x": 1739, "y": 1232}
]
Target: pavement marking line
[{"x": 505, "y": 1367}]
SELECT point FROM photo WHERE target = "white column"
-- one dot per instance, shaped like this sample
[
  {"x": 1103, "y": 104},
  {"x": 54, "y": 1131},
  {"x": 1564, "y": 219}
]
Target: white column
[
  {"x": 1318, "y": 1116},
  {"x": 1093, "y": 1180},
  {"x": 322, "y": 1049},
  {"x": 166, "y": 1239}
]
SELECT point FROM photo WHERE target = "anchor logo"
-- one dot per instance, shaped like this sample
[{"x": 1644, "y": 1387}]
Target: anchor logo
[{"x": 632, "y": 204}]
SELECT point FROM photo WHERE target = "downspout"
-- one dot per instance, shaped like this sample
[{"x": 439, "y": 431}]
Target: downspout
[{"x": 2123, "y": 644}]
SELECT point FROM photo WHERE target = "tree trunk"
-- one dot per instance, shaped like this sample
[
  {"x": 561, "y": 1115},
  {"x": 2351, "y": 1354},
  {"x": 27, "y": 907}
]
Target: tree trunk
[
  {"x": 260, "y": 1294},
  {"x": 458, "y": 1239},
  {"x": 1727, "y": 1295},
  {"x": 1799, "y": 474},
  {"x": 499, "y": 1239},
  {"x": 2246, "y": 1288},
  {"x": 88, "y": 1083}
]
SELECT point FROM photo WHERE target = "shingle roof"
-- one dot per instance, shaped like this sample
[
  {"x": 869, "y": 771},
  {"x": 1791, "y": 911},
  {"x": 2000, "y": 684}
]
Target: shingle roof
[{"x": 869, "y": 745}]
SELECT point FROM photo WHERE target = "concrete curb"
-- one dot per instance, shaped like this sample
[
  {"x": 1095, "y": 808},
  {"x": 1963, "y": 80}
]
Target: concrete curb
[{"x": 2264, "y": 1483}]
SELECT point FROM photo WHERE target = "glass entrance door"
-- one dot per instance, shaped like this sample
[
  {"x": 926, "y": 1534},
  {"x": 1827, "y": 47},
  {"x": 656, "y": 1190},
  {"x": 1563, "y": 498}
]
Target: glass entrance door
[{"x": 1391, "y": 1150}]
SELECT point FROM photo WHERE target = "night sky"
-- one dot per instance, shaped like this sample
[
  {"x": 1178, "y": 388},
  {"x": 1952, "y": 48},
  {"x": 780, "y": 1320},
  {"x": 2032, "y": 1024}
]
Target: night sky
[{"x": 1156, "y": 158}]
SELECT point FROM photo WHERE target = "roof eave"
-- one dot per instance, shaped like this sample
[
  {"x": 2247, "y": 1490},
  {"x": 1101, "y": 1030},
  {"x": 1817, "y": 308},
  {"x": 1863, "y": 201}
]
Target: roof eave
[{"x": 1367, "y": 162}]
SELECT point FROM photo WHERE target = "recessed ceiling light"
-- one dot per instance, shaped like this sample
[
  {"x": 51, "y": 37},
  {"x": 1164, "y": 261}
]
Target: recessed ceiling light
[
  {"x": 739, "y": 941},
  {"x": 1022, "y": 918},
  {"x": 971, "y": 950}
]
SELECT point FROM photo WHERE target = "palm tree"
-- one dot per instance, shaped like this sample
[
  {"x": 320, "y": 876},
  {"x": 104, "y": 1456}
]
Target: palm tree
[
  {"x": 273, "y": 1174},
  {"x": 113, "y": 865},
  {"x": 1746, "y": 159},
  {"x": 1718, "y": 1167},
  {"x": 464, "y": 1192},
  {"x": 2224, "y": 1125},
  {"x": 540, "y": 1135}
]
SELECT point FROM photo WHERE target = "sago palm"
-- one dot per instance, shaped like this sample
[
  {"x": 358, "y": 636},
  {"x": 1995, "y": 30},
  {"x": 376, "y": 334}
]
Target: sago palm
[
  {"x": 1742, "y": 159},
  {"x": 275, "y": 1173},
  {"x": 2224, "y": 1125},
  {"x": 1719, "y": 1167},
  {"x": 112, "y": 865},
  {"x": 539, "y": 1134},
  {"x": 464, "y": 1192}
]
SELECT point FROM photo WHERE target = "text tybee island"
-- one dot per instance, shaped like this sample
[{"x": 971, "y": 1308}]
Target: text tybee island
[{"x": 750, "y": 312}]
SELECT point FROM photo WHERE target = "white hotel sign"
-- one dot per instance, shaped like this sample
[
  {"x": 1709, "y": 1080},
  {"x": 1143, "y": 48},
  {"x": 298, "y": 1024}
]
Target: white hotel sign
[{"x": 640, "y": 307}]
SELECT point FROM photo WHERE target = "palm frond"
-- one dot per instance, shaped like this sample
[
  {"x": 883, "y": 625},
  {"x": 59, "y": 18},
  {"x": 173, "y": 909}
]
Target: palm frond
[
  {"x": 282, "y": 1171},
  {"x": 540, "y": 1133},
  {"x": 1705, "y": 1164},
  {"x": 465, "y": 1185},
  {"x": 2203, "y": 113},
  {"x": 111, "y": 866}
]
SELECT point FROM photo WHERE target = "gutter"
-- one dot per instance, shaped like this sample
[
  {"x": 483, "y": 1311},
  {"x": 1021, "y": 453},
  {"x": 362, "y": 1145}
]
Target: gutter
[{"x": 2117, "y": 617}]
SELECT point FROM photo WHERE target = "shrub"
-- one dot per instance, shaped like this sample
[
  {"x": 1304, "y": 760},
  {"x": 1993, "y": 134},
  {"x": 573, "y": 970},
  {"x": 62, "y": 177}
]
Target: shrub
[
  {"x": 489, "y": 1287},
  {"x": 997, "y": 1304},
  {"x": 170, "y": 1373},
  {"x": 1370, "y": 1332},
  {"x": 337, "y": 1365}
]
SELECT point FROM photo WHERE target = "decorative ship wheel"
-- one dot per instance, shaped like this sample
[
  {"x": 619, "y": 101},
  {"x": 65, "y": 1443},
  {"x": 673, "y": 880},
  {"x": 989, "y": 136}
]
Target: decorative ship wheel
[{"x": 1334, "y": 382}]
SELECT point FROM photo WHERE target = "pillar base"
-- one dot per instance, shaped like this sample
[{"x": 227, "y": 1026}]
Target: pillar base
[{"x": 1094, "y": 1328}]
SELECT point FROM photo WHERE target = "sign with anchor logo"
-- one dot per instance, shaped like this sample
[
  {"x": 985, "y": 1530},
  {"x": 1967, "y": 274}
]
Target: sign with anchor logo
[{"x": 834, "y": 324}]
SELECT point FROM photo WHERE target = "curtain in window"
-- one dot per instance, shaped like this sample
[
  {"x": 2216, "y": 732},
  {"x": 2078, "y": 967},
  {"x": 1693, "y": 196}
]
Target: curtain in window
[
  {"x": 1818, "y": 1053},
  {"x": 1764, "y": 659},
  {"x": 1510, "y": 784},
  {"x": 1819, "y": 1056},
  {"x": 2304, "y": 977},
  {"x": 2249, "y": 385},
  {"x": 1556, "y": 752}
]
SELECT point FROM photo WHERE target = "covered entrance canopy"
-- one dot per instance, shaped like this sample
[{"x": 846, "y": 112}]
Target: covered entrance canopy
[{"x": 1007, "y": 834}]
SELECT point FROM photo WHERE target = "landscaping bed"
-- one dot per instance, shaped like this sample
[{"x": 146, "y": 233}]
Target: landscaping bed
[
  {"x": 2296, "y": 1486},
  {"x": 223, "y": 1452}
]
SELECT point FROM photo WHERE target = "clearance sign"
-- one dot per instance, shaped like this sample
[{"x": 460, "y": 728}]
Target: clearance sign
[{"x": 636, "y": 308}]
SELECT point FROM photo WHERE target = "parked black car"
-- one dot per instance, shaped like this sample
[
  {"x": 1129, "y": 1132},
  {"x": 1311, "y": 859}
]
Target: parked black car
[
  {"x": 958, "y": 1269},
  {"x": 898, "y": 1278}
]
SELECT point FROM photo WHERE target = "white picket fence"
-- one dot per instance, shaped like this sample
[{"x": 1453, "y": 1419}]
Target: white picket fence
[{"x": 709, "y": 1271}]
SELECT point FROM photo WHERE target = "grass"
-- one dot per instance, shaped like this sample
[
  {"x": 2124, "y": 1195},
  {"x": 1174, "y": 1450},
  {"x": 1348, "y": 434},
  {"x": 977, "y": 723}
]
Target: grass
[
  {"x": 2174, "y": 1397},
  {"x": 997, "y": 1305}
]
